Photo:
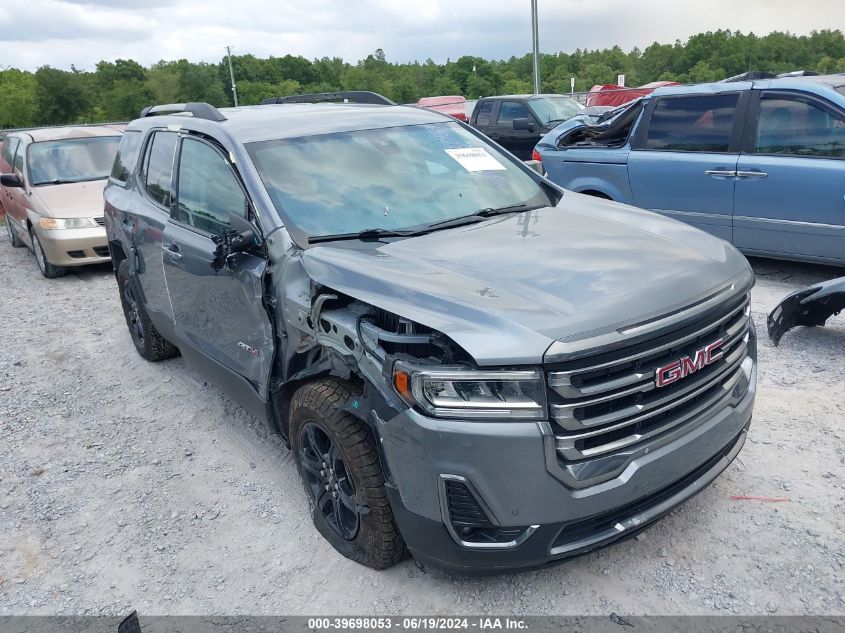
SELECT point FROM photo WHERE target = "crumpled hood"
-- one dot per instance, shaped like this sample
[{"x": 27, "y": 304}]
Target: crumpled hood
[
  {"x": 507, "y": 288},
  {"x": 71, "y": 200}
]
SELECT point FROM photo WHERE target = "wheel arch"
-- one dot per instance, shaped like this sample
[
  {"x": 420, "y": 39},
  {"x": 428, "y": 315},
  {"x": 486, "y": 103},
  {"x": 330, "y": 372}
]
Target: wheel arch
[{"x": 596, "y": 194}]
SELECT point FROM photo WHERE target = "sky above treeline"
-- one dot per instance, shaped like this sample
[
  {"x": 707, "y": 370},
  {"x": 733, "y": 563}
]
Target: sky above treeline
[{"x": 57, "y": 33}]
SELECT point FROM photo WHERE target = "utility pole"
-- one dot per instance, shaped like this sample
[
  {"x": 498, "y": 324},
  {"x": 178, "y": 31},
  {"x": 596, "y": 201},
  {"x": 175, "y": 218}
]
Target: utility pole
[
  {"x": 232, "y": 75},
  {"x": 536, "y": 46}
]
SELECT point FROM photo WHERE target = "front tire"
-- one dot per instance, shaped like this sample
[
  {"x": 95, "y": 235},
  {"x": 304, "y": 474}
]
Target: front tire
[
  {"x": 15, "y": 241},
  {"x": 149, "y": 343},
  {"x": 339, "y": 466},
  {"x": 47, "y": 269}
]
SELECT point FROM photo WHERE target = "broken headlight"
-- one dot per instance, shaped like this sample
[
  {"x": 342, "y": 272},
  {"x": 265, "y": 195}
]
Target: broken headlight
[{"x": 469, "y": 393}]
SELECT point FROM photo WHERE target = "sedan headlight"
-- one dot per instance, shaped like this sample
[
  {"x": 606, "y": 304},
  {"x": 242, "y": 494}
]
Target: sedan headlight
[
  {"x": 51, "y": 224},
  {"x": 469, "y": 393}
]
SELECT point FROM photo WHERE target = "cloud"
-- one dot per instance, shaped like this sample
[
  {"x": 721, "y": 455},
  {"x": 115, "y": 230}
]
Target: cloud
[
  {"x": 79, "y": 32},
  {"x": 28, "y": 26}
]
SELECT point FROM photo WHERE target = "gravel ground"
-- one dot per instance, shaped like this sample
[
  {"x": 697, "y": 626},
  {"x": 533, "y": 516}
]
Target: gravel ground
[{"x": 125, "y": 484}]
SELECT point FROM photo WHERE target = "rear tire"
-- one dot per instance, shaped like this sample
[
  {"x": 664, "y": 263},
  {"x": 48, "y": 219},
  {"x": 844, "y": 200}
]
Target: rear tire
[
  {"x": 47, "y": 269},
  {"x": 149, "y": 343},
  {"x": 14, "y": 240},
  {"x": 339, "y": 466}
]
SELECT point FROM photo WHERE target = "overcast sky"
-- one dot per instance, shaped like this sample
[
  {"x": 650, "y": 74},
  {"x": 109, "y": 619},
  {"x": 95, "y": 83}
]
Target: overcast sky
[{"x": 61, "y": 33}]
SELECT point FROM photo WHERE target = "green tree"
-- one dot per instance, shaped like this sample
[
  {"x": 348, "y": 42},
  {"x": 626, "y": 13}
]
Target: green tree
[
  {"x": 122, "y": 89},
  {"x": 61, "y": 96},
  {"x": 163, "y": 83},
  {"x": 18, "y": 105}
]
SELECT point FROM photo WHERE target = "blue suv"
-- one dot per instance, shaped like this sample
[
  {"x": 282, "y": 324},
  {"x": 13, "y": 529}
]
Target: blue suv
[{"x": 760, "y": 164}]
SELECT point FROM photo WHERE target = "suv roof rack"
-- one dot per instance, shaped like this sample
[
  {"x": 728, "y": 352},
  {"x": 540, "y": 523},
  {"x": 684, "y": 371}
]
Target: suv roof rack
[
  {"x": 197, "y": 109},
  {"x": 354, "y": 96}
]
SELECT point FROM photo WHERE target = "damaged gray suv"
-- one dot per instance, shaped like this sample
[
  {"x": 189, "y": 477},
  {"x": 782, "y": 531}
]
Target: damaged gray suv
[{"x": 469, "y": 363}]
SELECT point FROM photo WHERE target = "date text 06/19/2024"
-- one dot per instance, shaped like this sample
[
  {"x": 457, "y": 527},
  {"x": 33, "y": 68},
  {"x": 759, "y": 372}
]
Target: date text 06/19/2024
[{"x": 478, "y": 623}]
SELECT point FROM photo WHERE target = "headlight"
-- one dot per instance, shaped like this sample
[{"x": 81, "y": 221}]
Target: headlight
[
  {"x": 469, "y": 393},
  {"x": 51, "y": 224}
]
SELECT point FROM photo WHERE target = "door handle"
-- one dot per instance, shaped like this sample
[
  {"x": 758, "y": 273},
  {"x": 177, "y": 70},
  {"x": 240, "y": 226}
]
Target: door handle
[
  {"x": 726, "y": 173},
  {"x": 172, "y": 251},
  {"x": 751, "y": 174}
]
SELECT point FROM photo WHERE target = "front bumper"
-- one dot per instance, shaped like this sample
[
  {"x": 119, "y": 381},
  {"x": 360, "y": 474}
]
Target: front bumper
[
  {"x": 75, "y": 247},
  {"x": 505, "y": 464}
]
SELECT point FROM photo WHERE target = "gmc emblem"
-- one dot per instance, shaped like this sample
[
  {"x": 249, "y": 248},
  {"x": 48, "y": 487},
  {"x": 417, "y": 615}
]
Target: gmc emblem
[{"x": 687, "y": 365}]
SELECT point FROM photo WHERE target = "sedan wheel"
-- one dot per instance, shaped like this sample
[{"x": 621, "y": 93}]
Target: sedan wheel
[{"x": 47, "y": 269}]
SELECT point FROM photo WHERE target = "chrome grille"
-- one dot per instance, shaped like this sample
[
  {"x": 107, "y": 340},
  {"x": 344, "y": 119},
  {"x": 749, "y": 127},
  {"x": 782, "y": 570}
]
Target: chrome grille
[
  {"x": 606, "y": 404},
  {"x": 100, "y": 221}
]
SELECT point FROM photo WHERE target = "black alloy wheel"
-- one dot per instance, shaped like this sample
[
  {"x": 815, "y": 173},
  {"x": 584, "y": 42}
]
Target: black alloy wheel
[
  {"x": 328, "y": 480},
  {"x": 133, "y": 318}
]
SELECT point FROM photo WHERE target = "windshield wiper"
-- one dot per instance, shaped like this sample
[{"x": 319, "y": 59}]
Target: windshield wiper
[
  {"x": 367, "y": 235},
  {"x": 489, "y": 212},
  {"x": 478, "y": 216},
  {"x": 55, "y": 181},
  {"x": 370, "y": 235}
]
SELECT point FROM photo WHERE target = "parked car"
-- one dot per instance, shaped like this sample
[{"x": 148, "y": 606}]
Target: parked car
[
  {"x": 465, "y": 360},
  {"x": 53, "y": 195},
  {"x": 451, "y": 105},
  {"x": 758, "y": 163},
  {"x": 517, "y": 122}
]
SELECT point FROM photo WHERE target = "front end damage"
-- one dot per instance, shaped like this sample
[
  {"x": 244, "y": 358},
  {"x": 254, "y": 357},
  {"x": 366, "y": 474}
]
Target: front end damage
[
  {"x": 326, "y": 332},
  {"x": 810, "y": 307},
  {"x": 605, "y": 129}
]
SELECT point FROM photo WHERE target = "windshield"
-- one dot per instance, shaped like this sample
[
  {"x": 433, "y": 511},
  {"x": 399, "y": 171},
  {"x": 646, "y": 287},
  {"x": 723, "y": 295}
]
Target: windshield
[
  {"x": 71, "y": 160},
  {"x": 550, "y": 109},
  {"x": 389, "y": 178}
]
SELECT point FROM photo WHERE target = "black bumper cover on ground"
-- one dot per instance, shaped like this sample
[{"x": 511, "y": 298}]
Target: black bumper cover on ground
[{"x": 807, "y": 306}]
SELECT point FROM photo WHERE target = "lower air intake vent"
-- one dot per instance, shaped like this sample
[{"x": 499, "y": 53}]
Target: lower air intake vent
[
  {"x": 464, "y": 510},
  {"x": 470, "y": 521}
]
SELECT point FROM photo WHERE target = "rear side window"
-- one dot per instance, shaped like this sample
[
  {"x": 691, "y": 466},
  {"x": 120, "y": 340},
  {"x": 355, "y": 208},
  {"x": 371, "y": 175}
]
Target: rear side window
[
  {"x": 208, "y": 190},
  {"x": 796, "y": 127},
  {"x": 484, "y": 112},
  {"x": 158, "y": 167},
  {"x": 695, "y": 123},
  {"x": 127, "y": 156},
  {"x": 510, "y": 110}
]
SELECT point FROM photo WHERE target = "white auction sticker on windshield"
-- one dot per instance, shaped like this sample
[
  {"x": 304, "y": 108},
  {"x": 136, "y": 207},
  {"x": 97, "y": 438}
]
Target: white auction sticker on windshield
[{"x": 475, "y": 159}]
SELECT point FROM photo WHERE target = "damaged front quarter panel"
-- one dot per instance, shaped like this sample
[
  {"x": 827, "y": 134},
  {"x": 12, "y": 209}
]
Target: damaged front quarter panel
[
  {"x": 322, "y": 331},
  {"x": 810, "y": 306}
]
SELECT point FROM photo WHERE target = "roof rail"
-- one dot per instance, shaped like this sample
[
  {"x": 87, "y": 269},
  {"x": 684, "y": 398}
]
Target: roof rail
[
  {"x": 354, "y": 96},
  {"x": 799, "y": 73},
  {"x": 198, "y": 109},
  {"x": 751, "y": 75}
]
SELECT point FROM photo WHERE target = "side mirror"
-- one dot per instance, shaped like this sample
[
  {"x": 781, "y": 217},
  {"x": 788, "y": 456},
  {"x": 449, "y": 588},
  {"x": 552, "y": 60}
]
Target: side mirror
[
  {"x": 523, "y": 123},
  {"x": 240, "y": 236},
  {"x": 11, "y": 180},
  {"x": 246, "y": 236}
]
